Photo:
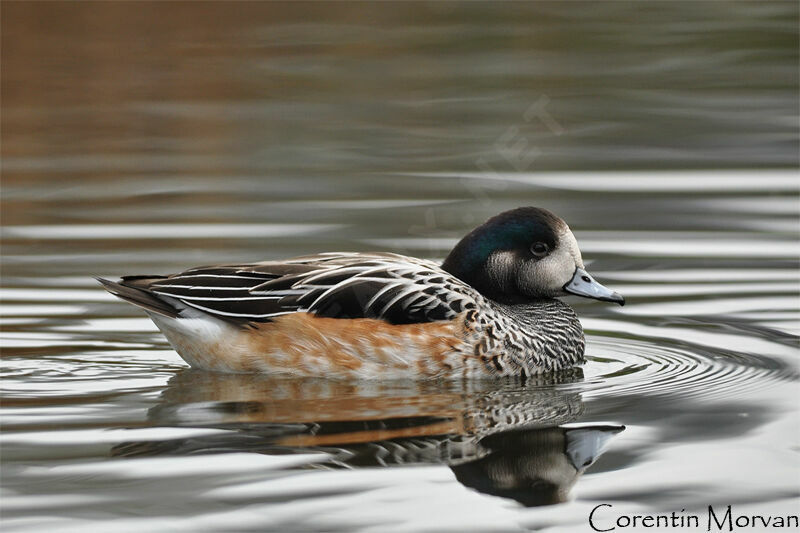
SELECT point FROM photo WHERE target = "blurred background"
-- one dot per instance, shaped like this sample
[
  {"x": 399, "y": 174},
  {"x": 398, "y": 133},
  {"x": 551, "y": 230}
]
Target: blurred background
[
  {"x": 242, "y": 111},
  {"x": 149, "y": 137}
]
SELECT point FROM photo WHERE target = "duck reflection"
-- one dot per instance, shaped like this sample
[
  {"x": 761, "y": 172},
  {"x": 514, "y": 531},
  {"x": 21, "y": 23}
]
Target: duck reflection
[
  {"x": 502, "y": 439},
  {"x": 535, "y": 467}
]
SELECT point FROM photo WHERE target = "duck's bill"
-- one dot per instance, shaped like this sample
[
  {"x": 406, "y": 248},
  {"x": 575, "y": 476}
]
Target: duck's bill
[{"x": 582, "y": 284}]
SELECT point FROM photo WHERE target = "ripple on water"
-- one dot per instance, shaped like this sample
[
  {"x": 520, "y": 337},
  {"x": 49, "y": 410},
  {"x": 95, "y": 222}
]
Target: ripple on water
[{"x": 620, "y": 367}]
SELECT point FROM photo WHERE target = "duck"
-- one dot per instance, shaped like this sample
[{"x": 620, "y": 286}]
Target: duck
[{"x": 490, "y": 310}]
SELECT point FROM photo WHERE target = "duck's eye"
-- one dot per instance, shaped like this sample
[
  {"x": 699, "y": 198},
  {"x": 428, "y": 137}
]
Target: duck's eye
[{"x": 539, "y": 249}]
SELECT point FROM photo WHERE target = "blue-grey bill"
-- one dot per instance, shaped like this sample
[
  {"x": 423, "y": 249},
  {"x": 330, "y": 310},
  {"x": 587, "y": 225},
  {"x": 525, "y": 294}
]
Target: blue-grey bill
[
  {"x": 582, "y": 284},
  {"x": 586, "y": 444}
]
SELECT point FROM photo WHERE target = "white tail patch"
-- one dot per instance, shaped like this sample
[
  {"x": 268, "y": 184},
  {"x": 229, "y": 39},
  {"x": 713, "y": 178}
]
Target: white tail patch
[{"x": 203, "y": 341}]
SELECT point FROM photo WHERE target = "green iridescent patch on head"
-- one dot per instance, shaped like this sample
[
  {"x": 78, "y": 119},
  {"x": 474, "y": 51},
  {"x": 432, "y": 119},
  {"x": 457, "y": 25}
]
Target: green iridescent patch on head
[
  {"x": 507, "y": 236},
  {"x": 516, "y": 229}
]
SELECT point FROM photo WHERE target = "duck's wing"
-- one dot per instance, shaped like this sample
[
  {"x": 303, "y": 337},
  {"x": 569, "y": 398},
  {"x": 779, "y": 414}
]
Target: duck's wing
[{"x": 390, "y": 287}]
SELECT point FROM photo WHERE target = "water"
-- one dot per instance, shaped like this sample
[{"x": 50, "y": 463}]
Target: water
[{"x": 139, "y": 139}]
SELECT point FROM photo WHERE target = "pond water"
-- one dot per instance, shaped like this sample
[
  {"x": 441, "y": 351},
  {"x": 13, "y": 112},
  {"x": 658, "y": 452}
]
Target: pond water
[{"x": 145, "y": 139}]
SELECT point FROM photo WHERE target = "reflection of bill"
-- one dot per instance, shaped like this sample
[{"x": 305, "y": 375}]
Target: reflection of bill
[{"x": 501, "y": 439}]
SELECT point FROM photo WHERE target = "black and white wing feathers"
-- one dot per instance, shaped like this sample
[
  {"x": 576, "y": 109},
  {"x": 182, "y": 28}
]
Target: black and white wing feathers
[{"x": 390, "y": 287}]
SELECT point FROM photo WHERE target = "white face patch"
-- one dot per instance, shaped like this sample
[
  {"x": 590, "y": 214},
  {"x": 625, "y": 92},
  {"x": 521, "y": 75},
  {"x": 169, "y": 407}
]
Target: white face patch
[
  {"x": 568, "y": 243},
  {"x": 547, "y": 276}
]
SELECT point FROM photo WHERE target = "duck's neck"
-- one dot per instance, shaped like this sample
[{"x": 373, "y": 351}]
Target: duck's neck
[
  {"x": 495, "y": 284},
  {"x": 495, "y": 288},
  {"x": 547, "y": 334}
]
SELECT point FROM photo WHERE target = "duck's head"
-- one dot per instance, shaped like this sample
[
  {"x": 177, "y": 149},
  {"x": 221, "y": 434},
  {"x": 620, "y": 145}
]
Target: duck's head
[{"x": 524, "y": 254}]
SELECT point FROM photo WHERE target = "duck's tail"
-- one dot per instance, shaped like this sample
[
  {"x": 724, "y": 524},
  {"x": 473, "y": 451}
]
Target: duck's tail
[{"x": 134, "y": 290}]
